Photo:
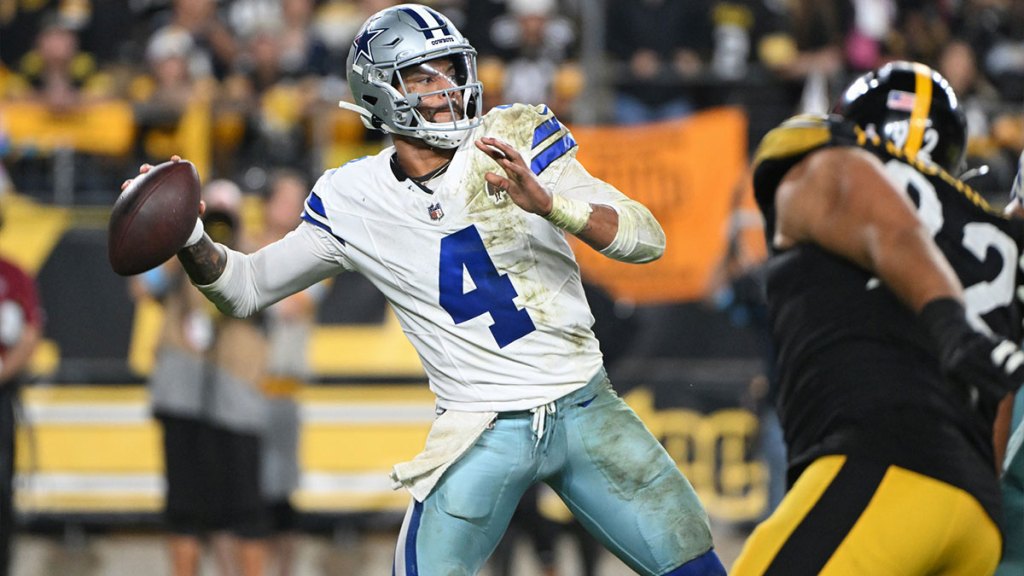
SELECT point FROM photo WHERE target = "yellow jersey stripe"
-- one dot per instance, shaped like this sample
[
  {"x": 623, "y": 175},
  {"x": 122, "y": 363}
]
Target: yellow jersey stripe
[{"x": 919, "y": 114}]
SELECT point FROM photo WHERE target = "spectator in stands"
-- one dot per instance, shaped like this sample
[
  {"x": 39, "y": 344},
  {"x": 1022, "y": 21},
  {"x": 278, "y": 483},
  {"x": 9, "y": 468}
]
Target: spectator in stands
[
  {"x": 170, "y": 81},
  {"x": 172, "y": 96},
  {"x": 661, "y": 48},
  {"x": 871, "y": 28},
  {"x": 811, "y": 59},
  {"x": 204, "y": 390},
  {"x": 20, "y": 23},
  {"x": 740, "y": 30},
  {"x": 749, "y": 38},
  {"x": 996, "y": 31},
  {"x": 115, "y": 32},
  {"x": 214, "y": 41},
  {"x": 482, "y": 16},
  {"x": 818, "y": 30},
  {"x": 737, "y": 289},
  {"x": 277, "y": 101},
  {"x": 21, "y": 320},
  {"x": 991, "y": 125},
  {"x": 290, "y": 325},
  {"x": 336, "y": 22},
  {"x": 534, "y": 45},
  {"x": 301, "y": 49},
  {"x": 921, "y": 32},
  {"x": 56, "y": 72}
]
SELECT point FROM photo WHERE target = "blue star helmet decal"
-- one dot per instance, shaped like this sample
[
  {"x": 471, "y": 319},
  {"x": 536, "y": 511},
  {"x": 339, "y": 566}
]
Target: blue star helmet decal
[
  {"x": 409, "y": 35},
  {"x": 361, "y": 44}
]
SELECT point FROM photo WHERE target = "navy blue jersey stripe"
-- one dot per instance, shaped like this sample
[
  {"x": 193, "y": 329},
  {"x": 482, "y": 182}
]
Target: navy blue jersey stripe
[
  {"x": 545, "y": 130},
  {"x": 419, "y": 20},
  {"x": 552, "y": 153},
  {"x": 411, "y": 565},
  {"x": 308, "y": 218},
  {"x": 439, "y": 18},
  {"x": 314, "y": 202}
]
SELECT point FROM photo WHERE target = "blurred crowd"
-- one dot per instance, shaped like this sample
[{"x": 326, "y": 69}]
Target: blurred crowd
[{"x": 244, "y": 87}]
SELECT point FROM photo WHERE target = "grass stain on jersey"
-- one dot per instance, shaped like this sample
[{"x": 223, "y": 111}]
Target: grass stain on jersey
[{"x": 504, "y": 227}]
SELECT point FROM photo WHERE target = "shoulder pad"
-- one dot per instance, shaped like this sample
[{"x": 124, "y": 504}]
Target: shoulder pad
[
  {"x": 534, "y": 131},
  {"x": 795, "y": 137}
]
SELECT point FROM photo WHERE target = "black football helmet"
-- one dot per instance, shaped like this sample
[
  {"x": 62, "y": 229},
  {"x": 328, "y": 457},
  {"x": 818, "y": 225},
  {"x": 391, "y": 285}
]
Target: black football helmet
[{"x": 913, "y": 107}]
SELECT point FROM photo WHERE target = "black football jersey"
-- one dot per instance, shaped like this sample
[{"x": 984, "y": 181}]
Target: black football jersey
[{"x": 858, "y": 374}]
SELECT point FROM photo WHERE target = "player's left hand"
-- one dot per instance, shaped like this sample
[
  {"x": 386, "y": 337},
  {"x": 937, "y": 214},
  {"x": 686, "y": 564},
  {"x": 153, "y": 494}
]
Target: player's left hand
[
  {"x": 519, "y": 182},
  {"x": 969, "y": 358},
  {"x": 147, "y": 167}
]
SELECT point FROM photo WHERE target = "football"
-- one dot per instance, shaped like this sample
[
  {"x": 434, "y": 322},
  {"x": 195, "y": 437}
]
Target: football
[{"x": 153, "y": 217}]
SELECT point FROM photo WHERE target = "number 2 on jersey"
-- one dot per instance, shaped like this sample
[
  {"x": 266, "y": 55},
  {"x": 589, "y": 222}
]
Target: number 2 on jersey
[
  {"x": 494, "y": 293},
  {"x": 978, "y": 238}
]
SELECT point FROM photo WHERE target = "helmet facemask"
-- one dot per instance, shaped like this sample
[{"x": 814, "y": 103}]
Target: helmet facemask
[
  {"x": 416, "y": 42},
  {"x": 456, "y": 95}
]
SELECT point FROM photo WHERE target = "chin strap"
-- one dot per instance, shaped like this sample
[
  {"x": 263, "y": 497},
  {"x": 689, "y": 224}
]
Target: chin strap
[{"x": 433, "y": 141}]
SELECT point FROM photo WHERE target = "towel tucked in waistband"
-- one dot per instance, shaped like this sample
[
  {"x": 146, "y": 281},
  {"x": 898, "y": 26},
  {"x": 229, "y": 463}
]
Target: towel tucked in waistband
[{"x": 451, "y": 434}]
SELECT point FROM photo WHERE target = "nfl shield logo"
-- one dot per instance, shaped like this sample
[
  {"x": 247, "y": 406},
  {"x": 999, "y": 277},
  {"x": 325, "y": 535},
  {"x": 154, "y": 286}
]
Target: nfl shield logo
[{"x": 435, "y": 211}]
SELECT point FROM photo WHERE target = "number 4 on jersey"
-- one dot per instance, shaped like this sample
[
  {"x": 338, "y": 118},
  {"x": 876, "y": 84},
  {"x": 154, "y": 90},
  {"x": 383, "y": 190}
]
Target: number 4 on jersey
[{"x": 494, "y": 293}]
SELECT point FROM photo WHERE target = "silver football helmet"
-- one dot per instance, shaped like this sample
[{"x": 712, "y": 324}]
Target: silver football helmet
[{"x": 411, "y": 36}]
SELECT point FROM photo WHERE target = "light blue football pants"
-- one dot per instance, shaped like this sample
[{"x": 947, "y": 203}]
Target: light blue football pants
[
  {"x": 598, "y": 456},
  {"x": 1013, "y": 497}
]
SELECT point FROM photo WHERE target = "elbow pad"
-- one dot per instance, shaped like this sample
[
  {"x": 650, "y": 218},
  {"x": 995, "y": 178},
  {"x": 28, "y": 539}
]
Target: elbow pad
[{"x": 639, "y": 238}]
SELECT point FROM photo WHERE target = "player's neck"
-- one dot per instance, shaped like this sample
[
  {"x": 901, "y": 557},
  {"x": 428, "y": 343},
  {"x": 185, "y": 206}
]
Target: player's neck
[{"x": 417, "y": 159}]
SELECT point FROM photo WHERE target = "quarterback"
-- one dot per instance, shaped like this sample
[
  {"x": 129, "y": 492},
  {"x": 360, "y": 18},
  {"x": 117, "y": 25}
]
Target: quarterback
[{"x": 461, "y": 224}]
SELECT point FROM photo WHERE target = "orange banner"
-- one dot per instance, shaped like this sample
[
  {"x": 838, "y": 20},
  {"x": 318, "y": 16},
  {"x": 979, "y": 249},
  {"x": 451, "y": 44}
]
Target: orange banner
[{"x": 690, "y": 174}]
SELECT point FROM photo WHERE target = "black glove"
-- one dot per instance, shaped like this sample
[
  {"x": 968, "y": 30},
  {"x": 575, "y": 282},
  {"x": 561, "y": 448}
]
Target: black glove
[{"x": 975, "y": 360}]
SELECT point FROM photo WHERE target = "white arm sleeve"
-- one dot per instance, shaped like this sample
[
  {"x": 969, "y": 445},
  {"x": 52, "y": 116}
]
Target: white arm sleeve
[
  {"x": 639, "y": 238},
  {"x": 251, "y": 282}
]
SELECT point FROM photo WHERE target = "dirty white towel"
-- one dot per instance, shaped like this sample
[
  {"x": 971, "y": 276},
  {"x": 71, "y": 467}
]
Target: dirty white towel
[{"x": 451, "y": 434}]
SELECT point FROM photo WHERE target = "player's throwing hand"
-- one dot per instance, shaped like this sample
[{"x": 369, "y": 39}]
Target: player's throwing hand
[
  {"x": 146, "y": 168},
  {"x": 519, "y": 182}
]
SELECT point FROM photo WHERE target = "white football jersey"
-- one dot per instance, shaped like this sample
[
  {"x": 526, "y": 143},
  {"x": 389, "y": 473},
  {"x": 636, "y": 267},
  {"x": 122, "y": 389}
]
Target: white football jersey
[{"x": 489, "y": 295}]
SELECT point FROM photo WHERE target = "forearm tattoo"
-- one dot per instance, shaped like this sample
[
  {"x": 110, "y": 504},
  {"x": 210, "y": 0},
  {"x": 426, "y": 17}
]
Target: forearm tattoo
[{"x": 203, "y": 261}]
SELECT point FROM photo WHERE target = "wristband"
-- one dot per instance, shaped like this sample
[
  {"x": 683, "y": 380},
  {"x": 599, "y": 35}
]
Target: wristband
[
  {"x": 197, "y": 234},
  {"x": 568, "y": 214}
]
